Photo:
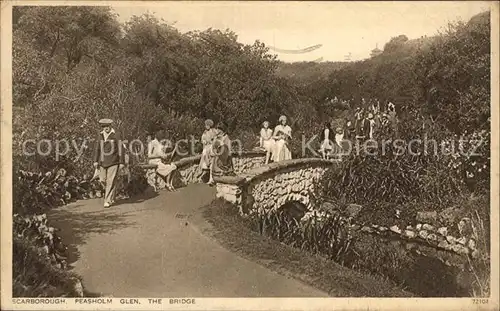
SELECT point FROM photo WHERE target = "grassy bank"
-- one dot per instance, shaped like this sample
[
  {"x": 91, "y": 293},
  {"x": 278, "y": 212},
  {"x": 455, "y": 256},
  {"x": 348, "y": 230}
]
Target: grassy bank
[{"x": 234, "y": 233}]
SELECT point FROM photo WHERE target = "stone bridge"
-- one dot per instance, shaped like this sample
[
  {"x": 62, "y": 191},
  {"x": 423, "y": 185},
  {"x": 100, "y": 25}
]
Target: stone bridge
[
  {"x": 189, "y": 171},
  {"x": 274, "y": 185},
  {"x": 256, "y": 185}
]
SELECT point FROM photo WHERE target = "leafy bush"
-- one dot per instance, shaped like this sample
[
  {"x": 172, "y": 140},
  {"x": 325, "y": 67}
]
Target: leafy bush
[
  {"x": 35, "y": 193},
  {"x": 33, "y": 274},
  {"x": 34, "y": 229},
  {"x": 40, "y": 260}
]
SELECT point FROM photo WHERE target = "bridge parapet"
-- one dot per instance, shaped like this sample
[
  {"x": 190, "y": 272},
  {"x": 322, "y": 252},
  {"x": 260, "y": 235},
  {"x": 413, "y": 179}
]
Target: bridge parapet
[
  {"x": 189, "y": 171},
  {"x": 271, "y": 186}
]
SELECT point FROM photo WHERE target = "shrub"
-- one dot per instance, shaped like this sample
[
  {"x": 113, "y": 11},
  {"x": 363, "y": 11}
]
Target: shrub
[
  {"x": 36, "y": 192},
  {"x": 33, "y": 275}
]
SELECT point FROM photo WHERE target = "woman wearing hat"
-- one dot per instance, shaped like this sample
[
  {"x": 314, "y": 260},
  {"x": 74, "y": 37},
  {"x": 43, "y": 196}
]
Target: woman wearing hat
[
  {"x": 222, "y": 161},
  {"x": 207, "y": 139},
  {"x": 109, "y": 158},
  {"x": 282, "y": 135}
]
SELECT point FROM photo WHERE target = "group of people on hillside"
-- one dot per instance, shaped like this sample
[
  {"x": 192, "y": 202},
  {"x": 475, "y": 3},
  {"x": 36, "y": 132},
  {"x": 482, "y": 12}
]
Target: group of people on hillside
[{"x": 367, "y": 124}]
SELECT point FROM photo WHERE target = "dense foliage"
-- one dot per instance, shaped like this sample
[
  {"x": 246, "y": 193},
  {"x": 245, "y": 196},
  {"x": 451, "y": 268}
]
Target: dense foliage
[
  {"x": 320, "y": 233},
  {"x": 40, "y": 261},
  {"x": 441, "y": 91},
  {"x": 75, "y": 65}
]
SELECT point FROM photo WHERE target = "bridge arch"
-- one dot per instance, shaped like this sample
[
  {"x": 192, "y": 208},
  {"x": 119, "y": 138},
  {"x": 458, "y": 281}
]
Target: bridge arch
[{"x": 272, "y": 186}]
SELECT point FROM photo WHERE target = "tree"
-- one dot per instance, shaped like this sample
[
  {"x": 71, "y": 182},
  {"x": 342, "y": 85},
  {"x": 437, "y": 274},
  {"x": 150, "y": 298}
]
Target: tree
[
  {"x": 70, "y": 32},
  {"x": 395, "y": 43}
]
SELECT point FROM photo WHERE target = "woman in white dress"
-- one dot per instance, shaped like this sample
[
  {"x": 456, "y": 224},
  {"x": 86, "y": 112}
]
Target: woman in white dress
[
  {"x": 266, "y": 140},
  {"x": 282, "y": 135},
  {"x": 158, "y": 156},
  {"x": 207, "y": 139},
  {"x": 326, "y": 143}
]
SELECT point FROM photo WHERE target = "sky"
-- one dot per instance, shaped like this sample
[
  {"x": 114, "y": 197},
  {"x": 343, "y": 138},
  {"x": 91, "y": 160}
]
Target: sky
[{"x": 340, "y": 27}]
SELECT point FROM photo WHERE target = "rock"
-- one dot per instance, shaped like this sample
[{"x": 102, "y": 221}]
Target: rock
[
  {"x": 443, "y": 244},
  {"x": 475, "y": 254},
  {"x": 395, "y": 229},
  {"x": 472, "y": 244},
  {"x": 465, "y": 227},
  {"x": 410, "y": 234},
  {"x": 443, "y": 231},
  {"x": 430, "y": 216},
  {"x": 432, "y": 237},
  {"x": 352, "y": 210},
  {"x": 423, "y": 234},
  {"x": 428, "y": 227},
  {"x": 409, "y": 227},
  {"x": 419, "y": 227},
  {"x": 409, "y": 246},
  {"x": 451, "y": 239},
  {"x": 367, "y": 229},
  {"x": 449, "y": 215},
  {"x": 462, "y": 250},
  {"x": 383, "y": 229},
  {"x": 462, "y": 240}
]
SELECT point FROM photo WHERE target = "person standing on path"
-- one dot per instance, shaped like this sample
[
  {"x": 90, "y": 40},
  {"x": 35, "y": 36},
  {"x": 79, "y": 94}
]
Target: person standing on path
[{"x": 109, "y": 158}]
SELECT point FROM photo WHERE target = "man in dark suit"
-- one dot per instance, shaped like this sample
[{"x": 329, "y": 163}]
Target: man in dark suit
[{"x": 109, "y": 158}]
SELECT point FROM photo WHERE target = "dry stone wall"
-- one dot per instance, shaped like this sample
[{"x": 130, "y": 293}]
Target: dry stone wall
[
  {"x": 460, "y": 238},
  {"x": 272, "y": 185},
  {"x": 430, "y": 236}
]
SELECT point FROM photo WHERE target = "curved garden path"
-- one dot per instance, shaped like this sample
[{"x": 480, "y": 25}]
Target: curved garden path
[{"x": 152, "y": 248}]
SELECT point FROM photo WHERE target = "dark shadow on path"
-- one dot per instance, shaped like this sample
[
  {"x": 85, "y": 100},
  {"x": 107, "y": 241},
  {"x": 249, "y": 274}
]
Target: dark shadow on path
[
  {"x": 76, "y": 224},
  {"x": 147, "y": 195}
]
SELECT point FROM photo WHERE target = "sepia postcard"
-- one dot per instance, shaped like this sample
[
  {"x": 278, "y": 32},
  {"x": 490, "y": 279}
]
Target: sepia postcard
[{"x": 249, "y": 155}]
